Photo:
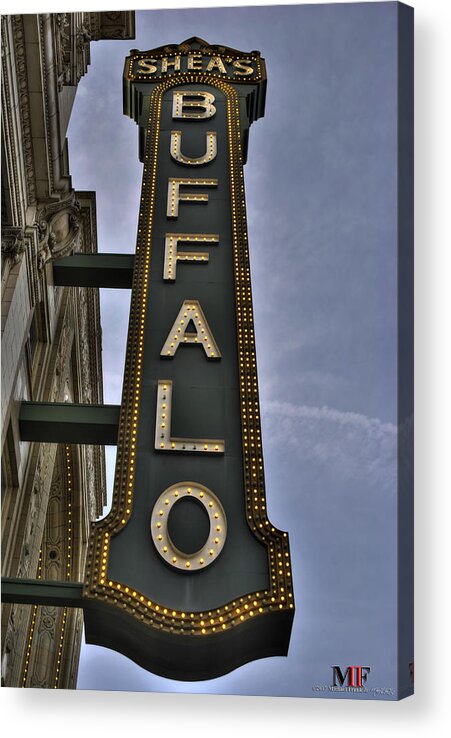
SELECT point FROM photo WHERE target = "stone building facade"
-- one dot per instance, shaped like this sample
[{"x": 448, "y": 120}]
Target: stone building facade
[{"x": 51, "y": 336}]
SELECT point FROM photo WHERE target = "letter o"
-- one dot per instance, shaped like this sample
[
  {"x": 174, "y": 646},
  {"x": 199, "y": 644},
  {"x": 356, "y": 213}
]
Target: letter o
[{"x": 159, "y": 527}]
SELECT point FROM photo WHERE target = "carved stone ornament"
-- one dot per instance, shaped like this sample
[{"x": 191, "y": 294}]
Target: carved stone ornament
[
  {"x": 13, "y": 243},
  {"x": 115, "y": 24},
  {"x": 72, "y": 39},
  {"x": 9, "y": 649},
  {"x": 63, "y": 49},
  {"x": 83, "y": 35},
  {"x": 58, "y": 229},
  {"x": 17, "y": 22}
]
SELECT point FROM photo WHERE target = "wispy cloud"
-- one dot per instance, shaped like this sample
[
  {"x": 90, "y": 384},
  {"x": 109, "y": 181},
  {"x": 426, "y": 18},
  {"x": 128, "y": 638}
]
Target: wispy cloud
[{"x": 349, "y": 445}]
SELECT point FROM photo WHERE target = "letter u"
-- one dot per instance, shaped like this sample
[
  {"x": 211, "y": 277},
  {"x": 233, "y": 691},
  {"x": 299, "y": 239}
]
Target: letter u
[{"x": 210, "y": 149}]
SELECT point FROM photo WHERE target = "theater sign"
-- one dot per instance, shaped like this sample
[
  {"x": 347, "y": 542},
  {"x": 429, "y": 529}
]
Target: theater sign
[{"x": 187, "y": 575}]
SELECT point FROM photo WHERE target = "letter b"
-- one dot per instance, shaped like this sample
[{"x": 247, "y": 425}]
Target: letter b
[{"x": 202, "y": 102}]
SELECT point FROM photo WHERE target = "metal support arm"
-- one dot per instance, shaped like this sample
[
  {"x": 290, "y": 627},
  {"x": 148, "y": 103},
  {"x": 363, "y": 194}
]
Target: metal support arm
[
  {"x": 94, "y": 270},
  {"x": 62, "y": 422},
  {"x": 42, "y": 592}
]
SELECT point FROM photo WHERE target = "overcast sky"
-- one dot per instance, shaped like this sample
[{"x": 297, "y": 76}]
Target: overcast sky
[{"x": 321, "y": 197}]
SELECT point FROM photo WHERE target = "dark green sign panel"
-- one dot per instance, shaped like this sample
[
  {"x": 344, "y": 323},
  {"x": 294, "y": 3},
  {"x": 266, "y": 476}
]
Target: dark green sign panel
[{"x": 190, "y": 577}]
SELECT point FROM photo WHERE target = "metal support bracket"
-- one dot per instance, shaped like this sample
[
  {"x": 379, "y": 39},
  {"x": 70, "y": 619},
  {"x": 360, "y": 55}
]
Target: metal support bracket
[
  {"x": 62, "y": 422},
  {"x": 94, "y": 270},
  {"x": 42, "y": 592}
]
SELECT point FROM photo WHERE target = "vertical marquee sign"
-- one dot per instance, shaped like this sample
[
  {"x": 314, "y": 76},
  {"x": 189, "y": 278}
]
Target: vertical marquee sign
[{"x": 186, "y": 575}]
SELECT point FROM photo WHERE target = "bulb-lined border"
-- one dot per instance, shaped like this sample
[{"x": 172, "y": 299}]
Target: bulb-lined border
[{"x": 279, "y": 595}]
